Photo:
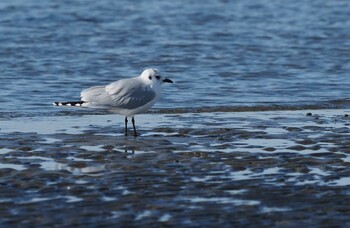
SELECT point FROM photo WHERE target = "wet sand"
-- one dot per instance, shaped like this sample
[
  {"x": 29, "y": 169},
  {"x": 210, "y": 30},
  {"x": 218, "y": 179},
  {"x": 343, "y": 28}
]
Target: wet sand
[{"x": 272, "y": 168}]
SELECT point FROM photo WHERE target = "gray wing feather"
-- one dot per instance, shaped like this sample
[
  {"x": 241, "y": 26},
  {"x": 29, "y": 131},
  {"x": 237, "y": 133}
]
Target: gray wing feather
[
  {"x": 93, "y": 94},
  {"x": 125, "y": 94}
]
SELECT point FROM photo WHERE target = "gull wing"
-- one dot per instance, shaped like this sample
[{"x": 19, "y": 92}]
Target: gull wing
[
  {"x": 125, "y": 94},
  {"x": 130, "y": 93}
]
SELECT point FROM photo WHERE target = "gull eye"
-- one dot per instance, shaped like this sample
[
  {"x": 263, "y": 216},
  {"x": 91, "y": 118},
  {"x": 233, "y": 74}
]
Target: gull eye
[
  {"x": 150, "y": 77},
  {"x": 158, "y": 77}
]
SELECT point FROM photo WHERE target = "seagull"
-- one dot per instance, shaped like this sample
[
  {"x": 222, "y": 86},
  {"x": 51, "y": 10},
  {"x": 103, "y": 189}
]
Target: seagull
[{"x": 127, "y": 97}]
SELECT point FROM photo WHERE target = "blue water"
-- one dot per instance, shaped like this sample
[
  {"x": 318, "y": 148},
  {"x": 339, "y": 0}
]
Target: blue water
[{"x": 219, "y": 53}]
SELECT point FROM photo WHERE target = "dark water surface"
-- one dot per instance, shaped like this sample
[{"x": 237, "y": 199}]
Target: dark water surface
[{"x": 219, "y": 53}]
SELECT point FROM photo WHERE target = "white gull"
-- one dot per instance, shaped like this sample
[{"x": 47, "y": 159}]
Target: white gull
[{"x": 127, "y": 97}]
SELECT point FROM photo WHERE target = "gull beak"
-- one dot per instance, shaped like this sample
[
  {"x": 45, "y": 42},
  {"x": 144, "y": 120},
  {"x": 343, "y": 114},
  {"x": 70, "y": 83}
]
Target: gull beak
[{"x": 167, "y": 80}]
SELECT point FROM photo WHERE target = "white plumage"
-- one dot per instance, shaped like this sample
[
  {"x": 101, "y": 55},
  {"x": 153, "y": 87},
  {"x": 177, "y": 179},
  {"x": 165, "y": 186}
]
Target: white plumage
[{"x": 127, "y": 97}]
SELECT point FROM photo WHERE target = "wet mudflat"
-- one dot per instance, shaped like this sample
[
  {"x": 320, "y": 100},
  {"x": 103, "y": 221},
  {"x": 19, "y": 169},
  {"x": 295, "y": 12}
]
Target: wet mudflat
[{"x": 275, "y": 168}]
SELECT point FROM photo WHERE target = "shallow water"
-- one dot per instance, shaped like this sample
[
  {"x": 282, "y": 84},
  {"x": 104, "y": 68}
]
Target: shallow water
[
  {"x": 254, "y": 132},
  {"x": 263, "y": 53}
]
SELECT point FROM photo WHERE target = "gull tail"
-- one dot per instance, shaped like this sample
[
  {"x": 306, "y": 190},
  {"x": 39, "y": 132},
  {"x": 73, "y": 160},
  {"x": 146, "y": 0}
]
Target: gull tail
[{"x": 69, "y": 103}]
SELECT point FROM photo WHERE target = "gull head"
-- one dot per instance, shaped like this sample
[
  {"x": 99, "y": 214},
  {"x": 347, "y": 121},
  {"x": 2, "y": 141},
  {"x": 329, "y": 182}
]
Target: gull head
[{"x": 152, "y": 76}]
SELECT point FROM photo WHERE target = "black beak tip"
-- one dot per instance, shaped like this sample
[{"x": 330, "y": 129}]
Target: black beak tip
[{"x": 167, "y": 80}]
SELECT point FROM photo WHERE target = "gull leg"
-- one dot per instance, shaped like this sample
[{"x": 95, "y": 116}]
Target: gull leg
[
  {"x": 126, "y": 126},
  {"x": 133, "y": 124}
]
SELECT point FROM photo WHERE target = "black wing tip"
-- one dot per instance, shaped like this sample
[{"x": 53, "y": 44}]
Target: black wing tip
[{"x": 70, "y": 103}]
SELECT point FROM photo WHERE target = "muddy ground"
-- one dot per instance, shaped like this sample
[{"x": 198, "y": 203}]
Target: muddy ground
[{"x": 276, "y": 169}]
